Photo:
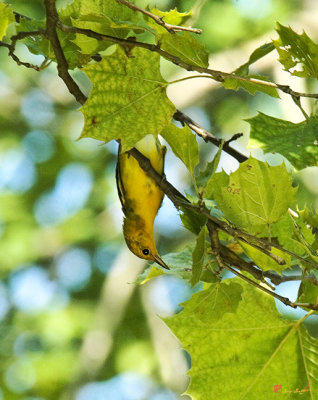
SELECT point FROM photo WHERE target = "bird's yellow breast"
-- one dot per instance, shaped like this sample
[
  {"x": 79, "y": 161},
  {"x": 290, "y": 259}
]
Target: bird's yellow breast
[{"x": 141, "y": 195}]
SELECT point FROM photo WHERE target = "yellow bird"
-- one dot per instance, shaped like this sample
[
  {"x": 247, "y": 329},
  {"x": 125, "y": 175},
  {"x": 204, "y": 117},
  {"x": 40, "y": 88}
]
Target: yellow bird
[{"x": 140, "y": 197}]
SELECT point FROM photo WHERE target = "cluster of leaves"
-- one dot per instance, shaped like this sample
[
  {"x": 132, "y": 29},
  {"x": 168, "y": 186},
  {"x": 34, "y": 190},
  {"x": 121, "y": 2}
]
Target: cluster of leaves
[{"x": 128, "y": 100}]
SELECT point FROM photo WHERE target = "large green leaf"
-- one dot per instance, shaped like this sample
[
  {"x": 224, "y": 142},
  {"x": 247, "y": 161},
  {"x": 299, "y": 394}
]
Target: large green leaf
[
  {"x": 255, "y": 195},
  {"x": 297, "y": 53},
  {"x": 296, "y": 142},
  {"x": 185, "y": 47},
  {"x": 183, "y": 143},
  {"x": 128, "y": 99},
  {"x": 242, "y": 348},
  {"x": 6, "y": 17}
]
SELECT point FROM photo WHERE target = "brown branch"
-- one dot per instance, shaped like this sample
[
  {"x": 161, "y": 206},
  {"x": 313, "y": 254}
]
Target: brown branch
[
  {"x": 12, "y": 45},
  {"x": 159, "y": 20},
  {"x": 62, "y": 65},
  {"x": 277, "y": 279},
  {"x": 247, "y": 237},
  {"x": 19, "y": 16},
  {"x": 209, "y": 137},
  {"x": 215, "y": 244},
  {"x": 219, "y": 76}
]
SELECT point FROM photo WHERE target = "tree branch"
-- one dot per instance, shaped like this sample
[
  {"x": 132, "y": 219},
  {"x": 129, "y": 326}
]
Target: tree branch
[
  {"x": 209, "y": 137},
  {"x": 219, "y": 76},
  {"x": 12, "y": 45},
  {"x": 159, "y": 20},
  {"x": 215, "y": 244},
  {"x": 62, "y": 65}
]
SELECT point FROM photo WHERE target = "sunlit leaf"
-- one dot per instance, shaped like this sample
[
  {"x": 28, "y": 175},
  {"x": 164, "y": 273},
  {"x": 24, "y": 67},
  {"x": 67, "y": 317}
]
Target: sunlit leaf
[
  {"x": 172, "y": 17},
  {"x": 264, "y": 261},
  {"x": 185, "y": 47},
  {"x": 223, "y": 329},
  {"x": 6, "y": 17},
  {"x": 183, "y": 144},
  {"x": 121, "y": 103},
  {"x": 255, "y": 195}
]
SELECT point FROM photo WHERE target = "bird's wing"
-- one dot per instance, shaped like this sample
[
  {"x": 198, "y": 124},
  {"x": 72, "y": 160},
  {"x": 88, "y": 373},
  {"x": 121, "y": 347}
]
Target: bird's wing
[{"x": 119, "y": 182}]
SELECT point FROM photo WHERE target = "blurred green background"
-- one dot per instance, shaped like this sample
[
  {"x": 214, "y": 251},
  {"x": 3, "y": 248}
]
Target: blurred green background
[{"x": 72, "y": 323}]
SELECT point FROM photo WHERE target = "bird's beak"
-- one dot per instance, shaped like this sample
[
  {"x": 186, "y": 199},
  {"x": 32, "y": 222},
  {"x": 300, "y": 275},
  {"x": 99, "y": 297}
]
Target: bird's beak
[{"x": 160, "y": 262}]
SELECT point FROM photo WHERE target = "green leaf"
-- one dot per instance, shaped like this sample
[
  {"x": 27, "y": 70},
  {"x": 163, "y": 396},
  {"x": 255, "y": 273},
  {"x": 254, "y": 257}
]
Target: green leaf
[
  {"x": 186, "y": 47},
  {"x": 302, "y": 241},
  {"x": 284, "y": 231},
  {"x": 210, "y": 305},
  {"x": 257, "y": 54},
  {"x": 198, "y": 255},
  {"x": 308, "y": 292},
  {"x": 6, "y": 17},
  {"x": 255, "y": 195},
  {"x": 105, "y": 17},
  {"x": 296, "y": 142},
  {"x": 40, "y": 45},
  {"x": 241, "y": 347},
  {"x": 192, "y": 220},
  {"x": 183, "y": 143},
  {"x": 297, "y": 53},
  {"x": 172, "y": 17},
  {"x": 180, "y": 264},
  {"x": 121, "y": 103},
  {"x": 250, "y": 84},
  {"x": 204, "y": 179},
  {"x": 309, "y": 217},
  {"x": 116, "y": 14},
  {"x": 265, "y": 262}
]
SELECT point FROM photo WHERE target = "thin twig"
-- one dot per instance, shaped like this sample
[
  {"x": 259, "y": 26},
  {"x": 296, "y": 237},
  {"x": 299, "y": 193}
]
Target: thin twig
[
  {"x": 209, "y": 137},
  {"x": 19, "y": 16},
  {"x": 62, "y": 65},
  {"x": 219, "y": 76},
  {"x": 245, "y": 236},
  {"x": 3, "y": 44},
  {"x": 159, "y": 20},
  {"x": 215, "y": 244},
  {"x": 277, "y": 279},
  {"x": 12, "y": 45}
]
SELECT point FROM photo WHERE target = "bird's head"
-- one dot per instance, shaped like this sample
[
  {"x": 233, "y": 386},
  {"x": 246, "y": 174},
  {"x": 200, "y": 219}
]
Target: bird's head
[{"x": 140, "y": 241}]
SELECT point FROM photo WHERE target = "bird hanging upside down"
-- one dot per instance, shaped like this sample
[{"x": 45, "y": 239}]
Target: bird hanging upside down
[{"x": 140, "y": 197}]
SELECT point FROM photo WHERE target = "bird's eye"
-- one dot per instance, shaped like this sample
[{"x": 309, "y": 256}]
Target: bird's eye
[{"x": 145, "y": 252}]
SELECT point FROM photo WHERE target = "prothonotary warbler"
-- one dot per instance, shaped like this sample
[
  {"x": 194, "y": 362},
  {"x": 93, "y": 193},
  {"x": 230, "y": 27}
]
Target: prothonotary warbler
[{"x": 140, "y": 197}]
